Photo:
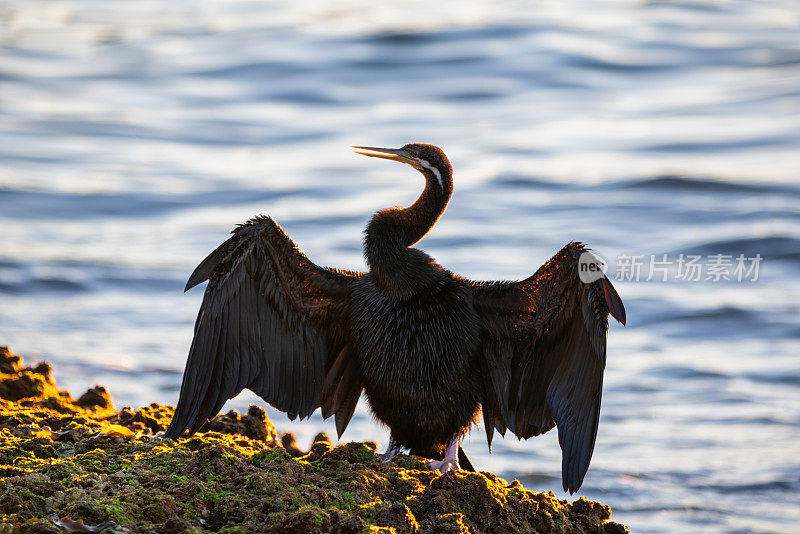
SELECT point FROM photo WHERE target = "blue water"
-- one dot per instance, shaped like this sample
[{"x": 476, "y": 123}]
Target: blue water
[{"x": 134, "y": 136}]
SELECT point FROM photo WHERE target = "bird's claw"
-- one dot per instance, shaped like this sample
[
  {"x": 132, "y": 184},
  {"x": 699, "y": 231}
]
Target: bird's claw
[
  {"x": 445, "y": 465},
  {"x": 450, "y": 460},
  {"x": 391, "y": 451}
]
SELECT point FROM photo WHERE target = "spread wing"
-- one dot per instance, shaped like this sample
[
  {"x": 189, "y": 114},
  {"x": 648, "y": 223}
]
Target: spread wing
[
  {"x": 544, "y": 356},
  {"x": 273, "y": 322}
]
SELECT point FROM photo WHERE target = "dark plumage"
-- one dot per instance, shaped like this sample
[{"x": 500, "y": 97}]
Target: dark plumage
[{"x": 430, "y": 349}]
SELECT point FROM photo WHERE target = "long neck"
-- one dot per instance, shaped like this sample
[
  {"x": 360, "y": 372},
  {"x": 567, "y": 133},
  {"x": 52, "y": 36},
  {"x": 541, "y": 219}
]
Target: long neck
[{"x": 392, "y": 231}]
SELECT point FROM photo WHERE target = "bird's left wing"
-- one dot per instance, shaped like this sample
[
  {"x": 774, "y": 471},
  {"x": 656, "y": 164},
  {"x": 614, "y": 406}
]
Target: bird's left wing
[
  {"x": 271, "y": 321},
  {"x": 544, "y": 352}
]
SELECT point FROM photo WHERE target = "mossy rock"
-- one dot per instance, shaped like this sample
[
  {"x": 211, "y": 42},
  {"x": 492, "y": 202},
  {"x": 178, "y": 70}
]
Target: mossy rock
[{"x": 84, "y": 467}]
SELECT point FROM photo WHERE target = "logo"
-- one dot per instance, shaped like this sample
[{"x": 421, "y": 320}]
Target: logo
[{"x": 591, "y": 267}]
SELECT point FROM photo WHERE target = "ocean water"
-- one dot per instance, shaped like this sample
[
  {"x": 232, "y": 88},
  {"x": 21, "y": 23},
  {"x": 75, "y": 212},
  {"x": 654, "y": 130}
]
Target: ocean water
[{"x": 134, "y": 136}]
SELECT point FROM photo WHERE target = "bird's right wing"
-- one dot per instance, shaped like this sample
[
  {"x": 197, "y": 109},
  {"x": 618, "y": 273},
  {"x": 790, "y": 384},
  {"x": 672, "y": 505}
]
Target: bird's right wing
[{"x": 271, "y": 321}]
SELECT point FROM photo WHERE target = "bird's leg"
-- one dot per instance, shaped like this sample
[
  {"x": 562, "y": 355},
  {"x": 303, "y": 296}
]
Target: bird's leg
[
  {"x": 391, "y": 450},
  {"x": 450, "y": 460}
]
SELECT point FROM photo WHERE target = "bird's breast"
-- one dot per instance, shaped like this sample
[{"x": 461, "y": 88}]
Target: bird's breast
[{"x": 413, "y": 344}]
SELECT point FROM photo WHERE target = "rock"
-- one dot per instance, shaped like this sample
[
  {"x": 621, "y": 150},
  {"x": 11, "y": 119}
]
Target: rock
[
  {"x": 81, "y": 465},
  {"x": 318, "y": 450},
  {"x": 43, "y": 369},
  {"x": 175, "y": 525},
  {"x": 9, "y": 363},
  {"x": 289, "y": 442},
  {"x": 399, "y": 517},
  {"x": 615, "y": 528},
  {"x": 35, "y": 477},
  {"x": 254, "y": 425},
  {"x": 151, "y": 419},
  {"x": 96, "y": 396},
  {"x": 18, "y": 383}
]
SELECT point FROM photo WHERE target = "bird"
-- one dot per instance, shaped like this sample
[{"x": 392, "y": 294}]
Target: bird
[{"x": 433, "y": 352}]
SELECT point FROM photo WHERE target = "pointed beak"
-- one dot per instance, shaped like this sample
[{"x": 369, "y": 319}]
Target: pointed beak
[{"x": 394, "y": 154}]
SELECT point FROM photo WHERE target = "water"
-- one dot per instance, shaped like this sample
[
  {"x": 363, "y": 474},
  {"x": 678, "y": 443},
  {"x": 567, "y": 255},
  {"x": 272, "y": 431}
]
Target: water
[{"x": 134, "y": 136}]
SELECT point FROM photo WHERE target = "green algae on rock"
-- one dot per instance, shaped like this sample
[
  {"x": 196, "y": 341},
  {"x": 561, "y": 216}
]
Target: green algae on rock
[{"x": 71, "y": 466}]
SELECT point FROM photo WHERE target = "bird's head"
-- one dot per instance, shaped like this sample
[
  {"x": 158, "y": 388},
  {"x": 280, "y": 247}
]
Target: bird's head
[{"x": 428, "y": 159}]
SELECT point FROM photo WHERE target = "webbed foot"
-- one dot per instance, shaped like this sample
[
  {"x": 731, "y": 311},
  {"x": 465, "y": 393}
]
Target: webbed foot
[{"x": 450, "y": 460}]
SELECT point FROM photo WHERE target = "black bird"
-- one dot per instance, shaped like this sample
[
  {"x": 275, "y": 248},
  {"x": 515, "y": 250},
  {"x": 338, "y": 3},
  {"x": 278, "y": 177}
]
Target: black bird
[{"x": 430, "y": 349}]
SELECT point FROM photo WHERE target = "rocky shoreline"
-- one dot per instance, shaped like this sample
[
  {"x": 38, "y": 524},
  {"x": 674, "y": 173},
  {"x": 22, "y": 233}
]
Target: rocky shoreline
[{"x": 81, "y": 466}]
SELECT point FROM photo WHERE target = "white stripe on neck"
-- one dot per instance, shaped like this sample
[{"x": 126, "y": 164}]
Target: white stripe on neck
[{"x": 435, "y": 171}]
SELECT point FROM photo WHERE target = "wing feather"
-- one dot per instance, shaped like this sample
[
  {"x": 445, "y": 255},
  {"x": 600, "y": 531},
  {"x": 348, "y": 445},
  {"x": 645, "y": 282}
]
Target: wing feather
[
  {"x": 270, "y": 321},
  {"x": 545, "y": 354},
  {"x": 347, "y": 397}
]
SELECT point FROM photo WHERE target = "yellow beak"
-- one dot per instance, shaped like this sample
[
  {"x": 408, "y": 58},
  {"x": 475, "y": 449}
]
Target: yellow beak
[{"x": 394, "y": 154}]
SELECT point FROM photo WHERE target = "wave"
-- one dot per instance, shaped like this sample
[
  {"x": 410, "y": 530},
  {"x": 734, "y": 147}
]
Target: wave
[
  {"x": 685, "y": 373},
  {"x": 723, "y": 312},
  {"x": 659, "y": 312},
  {"x": 521, "y": 181},
  {"x": 254, "y": 70},
  {"x": 43, "y": 285},
  {"x": 774, "y": 378},
  {"x": 48, "y": 285},
  {"x": 686, "y": 183},
  {"x": 37, "y": 204},
  {"x": 71, "y": 276},
  {"x": 718, "y": 146},
  {"x": 421, "y": 38},
  {"x": 583, "y": 61},
  {"x": 756, "y": 487},
  {"x": 770, "y": 248},
  {"x": 725, "y": 323}
]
